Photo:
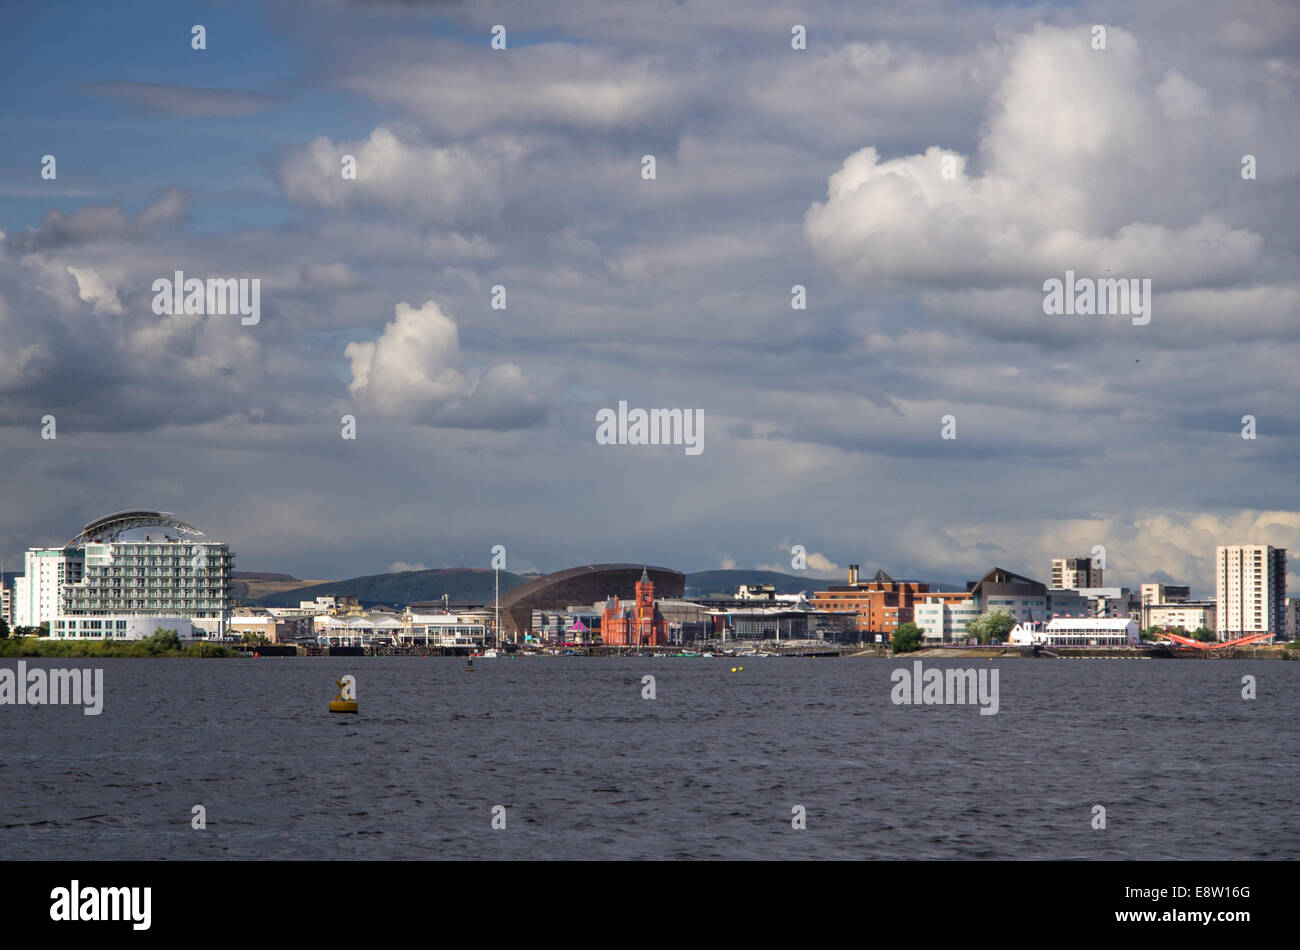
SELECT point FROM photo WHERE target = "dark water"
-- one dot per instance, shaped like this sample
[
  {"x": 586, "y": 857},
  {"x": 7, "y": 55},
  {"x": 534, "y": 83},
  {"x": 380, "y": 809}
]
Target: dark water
[{"x": 709, "y": 769}]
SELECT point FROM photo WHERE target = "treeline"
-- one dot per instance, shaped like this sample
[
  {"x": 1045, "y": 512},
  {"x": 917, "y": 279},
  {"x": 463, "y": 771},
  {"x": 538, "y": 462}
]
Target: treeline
[{"x": 162, "y": 643}]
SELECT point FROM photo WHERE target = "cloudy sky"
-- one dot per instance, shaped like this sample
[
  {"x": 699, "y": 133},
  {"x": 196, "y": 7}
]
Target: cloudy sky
[{"x": 921, "y": 169}]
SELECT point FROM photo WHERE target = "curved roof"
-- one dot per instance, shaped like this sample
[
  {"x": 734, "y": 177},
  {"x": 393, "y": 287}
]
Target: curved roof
[
  {"x": 586, "y": 584},
  {"x": 113, "y": 526}
]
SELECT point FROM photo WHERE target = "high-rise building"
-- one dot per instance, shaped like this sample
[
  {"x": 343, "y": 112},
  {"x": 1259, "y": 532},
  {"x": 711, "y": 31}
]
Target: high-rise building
[
  {"x": 45, "y": 571},
  {"x": 103, "y": 585},
  {"x": 1075, "y": 573},
  {"x": 6, "y": 602},
  {"x": 1251, "y": 584}
]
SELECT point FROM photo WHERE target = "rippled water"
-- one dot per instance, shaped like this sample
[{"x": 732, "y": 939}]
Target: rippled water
[{"x": 709, "y": 769}]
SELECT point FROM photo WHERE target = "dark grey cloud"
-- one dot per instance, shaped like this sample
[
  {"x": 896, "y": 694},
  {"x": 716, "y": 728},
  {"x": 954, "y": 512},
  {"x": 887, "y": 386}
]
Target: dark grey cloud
[{"x": 187, "y": 101}]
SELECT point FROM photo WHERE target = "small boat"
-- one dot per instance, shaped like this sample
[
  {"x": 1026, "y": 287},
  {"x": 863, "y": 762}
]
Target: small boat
[{"x": 490, "y": 654}]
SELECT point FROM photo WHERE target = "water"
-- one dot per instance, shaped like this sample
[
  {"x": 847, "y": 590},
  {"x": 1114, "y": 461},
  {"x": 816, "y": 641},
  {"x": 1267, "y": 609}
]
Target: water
[{"x": 709, "y": 769}]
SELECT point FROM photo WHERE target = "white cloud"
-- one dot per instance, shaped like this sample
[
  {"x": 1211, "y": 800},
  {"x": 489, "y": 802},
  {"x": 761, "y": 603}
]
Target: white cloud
[
  {"x": 398, "y": 567},
  {"x": 413, "y": 372},
  {"x": 1071, "y": 157},
  {"x": 93, "y": 289}
]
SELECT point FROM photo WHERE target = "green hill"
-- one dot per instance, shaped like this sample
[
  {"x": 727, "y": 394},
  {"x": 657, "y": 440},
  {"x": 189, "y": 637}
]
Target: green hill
[{"x": 460, "y": 584}]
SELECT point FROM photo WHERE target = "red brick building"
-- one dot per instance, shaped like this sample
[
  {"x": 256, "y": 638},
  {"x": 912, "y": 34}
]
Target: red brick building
[
  {"x": 880, "y": 605},
  {"x": 639, "y": 625}
]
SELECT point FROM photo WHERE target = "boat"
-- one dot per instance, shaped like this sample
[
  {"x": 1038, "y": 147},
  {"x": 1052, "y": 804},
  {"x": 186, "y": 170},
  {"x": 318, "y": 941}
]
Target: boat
[{"x": 490, "y": 654}]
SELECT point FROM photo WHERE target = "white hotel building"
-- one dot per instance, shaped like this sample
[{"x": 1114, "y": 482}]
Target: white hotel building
[{"x": 101, "y": 585}]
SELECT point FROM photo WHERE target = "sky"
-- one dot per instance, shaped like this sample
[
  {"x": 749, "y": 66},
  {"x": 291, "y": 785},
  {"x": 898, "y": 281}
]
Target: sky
[{"x": 920, "y": 170}]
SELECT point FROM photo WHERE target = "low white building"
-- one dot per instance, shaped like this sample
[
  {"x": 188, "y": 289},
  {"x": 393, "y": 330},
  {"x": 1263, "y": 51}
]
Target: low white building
[
  {"x": 943, "y": 621},
  {"x": 1077, "y": 632},
  {"x": 433, "y": 630},
  {"x": 117, "y": 629}
]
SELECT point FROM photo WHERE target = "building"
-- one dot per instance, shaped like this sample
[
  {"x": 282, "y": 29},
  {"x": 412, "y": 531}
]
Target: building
[
  {"x": 261, "y": 622},
  {"x": 6, "y": 602},
  {"x": 640, "y": 624},
  {"x": 115, "y": 628},
  {"x": 1076, "y": 572},
  {"x": 1077, "y": 632},
  {"x": 1000, "y": 589},
  {"x": 102, "y": 580},
  {"x": 942, "y": 616},
  {"x": 335, "y": 605},
  {"x": 1153, "y": 594},
  {"x": 1251, "y": 590},
  {"x": 878, "y": 606},
  {"x": 45, "y": 571},
  {"x": 1190, "y": 615},
  {"x": 1115, "y": 602},
  {"x": 588, "y": 584}
]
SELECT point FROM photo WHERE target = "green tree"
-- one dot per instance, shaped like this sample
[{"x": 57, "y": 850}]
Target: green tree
[
  {"x": 4, "y": 629},
  {"x": 162, "y": 641},
  {"x": 991, "y": 626},
  {"x": 1205, "y": 635},
  {"x": 906, "y": 638}
]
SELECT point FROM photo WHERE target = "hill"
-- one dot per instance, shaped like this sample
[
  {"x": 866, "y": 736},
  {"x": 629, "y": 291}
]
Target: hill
[
  {"x": 460, "y": 584},
  {"x": 703, "y": 583}
]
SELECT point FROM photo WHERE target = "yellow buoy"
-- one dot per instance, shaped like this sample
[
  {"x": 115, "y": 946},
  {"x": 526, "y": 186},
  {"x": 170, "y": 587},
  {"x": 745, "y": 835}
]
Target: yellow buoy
[{"x": 346, "y": 700}]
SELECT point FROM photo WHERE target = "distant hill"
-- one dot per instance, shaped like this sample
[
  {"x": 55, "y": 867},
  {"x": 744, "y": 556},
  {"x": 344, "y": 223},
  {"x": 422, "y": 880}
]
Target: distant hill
[
  {"x": 248, "y": 586},
  {"x": 460, "y": 584}
]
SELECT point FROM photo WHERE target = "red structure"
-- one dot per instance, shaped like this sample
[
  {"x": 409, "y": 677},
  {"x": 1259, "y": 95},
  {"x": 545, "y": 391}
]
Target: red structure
[{"x": 639, "y": 625}]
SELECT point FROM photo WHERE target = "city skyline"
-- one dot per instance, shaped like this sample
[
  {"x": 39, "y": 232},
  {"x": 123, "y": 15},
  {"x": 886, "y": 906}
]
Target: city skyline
[{"x": 920, "y": 178}]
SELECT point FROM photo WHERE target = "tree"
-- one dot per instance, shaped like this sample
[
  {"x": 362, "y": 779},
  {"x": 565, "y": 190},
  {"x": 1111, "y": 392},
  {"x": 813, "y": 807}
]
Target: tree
[
  {"x": 991, "y": 626},
  {"x": 1205, "y": 635},
  {"x": 4, "y": 629},
  {"x": 906, "y": 638},
  {"x": 162, "y": 641}
]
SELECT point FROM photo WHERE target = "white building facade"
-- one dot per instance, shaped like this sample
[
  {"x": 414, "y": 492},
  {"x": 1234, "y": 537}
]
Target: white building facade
[
  {"x": 1251, "y": 590},
  {"x": 1078, "y": 632}
]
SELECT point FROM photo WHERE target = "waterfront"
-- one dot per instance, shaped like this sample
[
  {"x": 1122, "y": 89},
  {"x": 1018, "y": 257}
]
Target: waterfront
[{"x": 708, "y": 769}]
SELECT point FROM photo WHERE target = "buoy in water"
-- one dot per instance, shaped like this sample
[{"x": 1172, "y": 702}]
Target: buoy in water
[{"x": 346, "y": 700}]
